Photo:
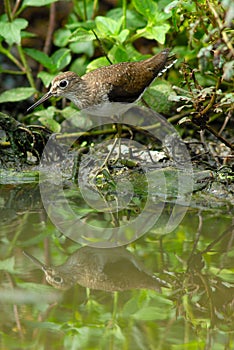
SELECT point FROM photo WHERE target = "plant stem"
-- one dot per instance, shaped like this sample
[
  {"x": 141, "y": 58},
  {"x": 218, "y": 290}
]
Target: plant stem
[
  {"x": 221, "y": 27},
  {"x": 124, "y": 14},
  {"x": 13, "y": 72},
  {"x": 26, "y": 67},
  {"x": 213, "y": 97},
  {"x": 95, "y": 8},
  {"x": 11, "y": 57},
  {"x": 7, "y": 6},
  {"x": 15, "y": 8},
  {"x": 85, "y": 10}
]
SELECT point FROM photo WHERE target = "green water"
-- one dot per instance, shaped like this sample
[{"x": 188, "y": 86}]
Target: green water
[{"x": 112, "y": 303}]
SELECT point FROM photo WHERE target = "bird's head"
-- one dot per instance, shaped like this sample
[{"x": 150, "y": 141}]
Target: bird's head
[{"x": 67, "y": 84}]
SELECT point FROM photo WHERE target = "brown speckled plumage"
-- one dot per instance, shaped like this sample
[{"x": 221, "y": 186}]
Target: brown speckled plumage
[{"x": 123, "y": 82}]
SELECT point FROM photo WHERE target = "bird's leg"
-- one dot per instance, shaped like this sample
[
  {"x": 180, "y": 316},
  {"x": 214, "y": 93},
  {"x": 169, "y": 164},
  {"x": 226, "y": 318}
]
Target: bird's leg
[
  {"x": 117, "y": 139},
  {"x": 105, "y": 163}
]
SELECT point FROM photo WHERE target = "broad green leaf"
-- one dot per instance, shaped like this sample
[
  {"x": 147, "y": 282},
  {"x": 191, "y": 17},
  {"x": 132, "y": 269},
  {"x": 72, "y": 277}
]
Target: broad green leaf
[
  {"x": 50, "y": 123},
  {"x": 90, "y": 24},
  {"x": 155, "y": 33},
  {"x": 106, "y": 26},
  {"x": 37, "y": 3},
  {"x": 45, "y": 113},
  {"x": 79, "y": 65},
  {"x": 11, "y": 31},
  {"x": 83, "y": 47},
  {"x": 119, "y": 54},
  {"x": 25, "y": 34},
  {"x": 61, "y": 37},
  {"x": 130, "y": 307},
  {"x": 46, "y": 78},
  {"x": 123, "y": 35},
  {"x": 157, "y": 97},
  {"x": 147, "y": 8},
  {"x": 40, "y": 57},
  {"x": 134, "y": 19},
  {"x": 151, "y": 313},
  {"x": 56, "y": 62},
  {"x": 8, "y": 265},
  {"x": 97, "y": 63},
  {"x": 61, "y": 58},
  {"x": 17, "y": 94},
  {"x": 82, "y": 34}
]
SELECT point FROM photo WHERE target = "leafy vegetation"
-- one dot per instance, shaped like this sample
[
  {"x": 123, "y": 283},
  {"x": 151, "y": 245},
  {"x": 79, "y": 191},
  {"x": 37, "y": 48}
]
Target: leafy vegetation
[{"x": 199, "y": 33}]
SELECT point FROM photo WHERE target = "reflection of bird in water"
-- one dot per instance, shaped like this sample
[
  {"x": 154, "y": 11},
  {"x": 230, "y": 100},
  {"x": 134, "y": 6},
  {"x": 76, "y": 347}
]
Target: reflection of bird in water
[{"x": 114, "y": 269}]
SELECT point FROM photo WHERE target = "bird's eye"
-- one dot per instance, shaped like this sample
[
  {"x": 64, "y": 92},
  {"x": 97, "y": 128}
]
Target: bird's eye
[
  {"x": 58, "y": 279},
  {"x": 63, "y": 84}
]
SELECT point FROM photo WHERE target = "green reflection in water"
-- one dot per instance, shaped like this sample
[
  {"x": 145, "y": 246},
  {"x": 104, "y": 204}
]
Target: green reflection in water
[{"x": 194, "y": 309}]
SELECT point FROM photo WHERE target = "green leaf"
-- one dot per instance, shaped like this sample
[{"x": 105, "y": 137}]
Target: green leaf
[
  {"x": 151, "y": 313},
  {"x": 61, "y": 37},
  {"x": 107, "y": 26},
  {"x": 82, "y": 47},
  {"x": 50, "y": 123},
  {"x": 81, "y": 34},
  {"x": 46, "y": 113},
  {"x": 46, "y": 78},
  {"x": 79, "y": 65},
  {"x": 118, "y": 54},
  {"x": 89, "y": 24},
  {"x": 97, "y": 63},
  {"x": 61, "y": 58},
  {"x": 8, "y": 265},
  {"x": 147, "y": 8},
  {"x": 11, "y": 31},
  {"x": 157, "y": 97},
  {"x": 37, "y": 3},
  {"x": 123, "y": 35},
  {"x": 25, "y": 34},
  {"x": 17, "y": 94},
  {"x": 40, "y": 57},
  {"x": 155, "y": 33},
  {"x": 134, "y": 19},
  {"x": 55, "y": 63}
]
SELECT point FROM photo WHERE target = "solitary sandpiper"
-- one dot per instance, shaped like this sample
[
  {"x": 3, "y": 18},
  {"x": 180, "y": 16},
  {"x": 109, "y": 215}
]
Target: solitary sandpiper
[{"x": 101, "y": 88}]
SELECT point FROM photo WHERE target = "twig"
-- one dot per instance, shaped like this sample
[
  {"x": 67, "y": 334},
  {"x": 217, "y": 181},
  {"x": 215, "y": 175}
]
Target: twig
[
  {"x": 101, "y": 46},
  {"x": 12, "y": 58},
  {"x": 17, "y": 5},
  {"x": 221, "y": 28},
  {"x": 51, "y": 26},
  {"x": 15, "y": 308},
  {"x": 219, "y": 137},
  {"x": 228, "y": 117}
]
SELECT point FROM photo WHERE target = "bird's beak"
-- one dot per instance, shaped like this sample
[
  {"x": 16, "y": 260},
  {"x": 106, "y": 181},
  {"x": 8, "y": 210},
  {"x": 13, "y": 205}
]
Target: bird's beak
[
  {"x": 43, "y": 99},
  {"x": 35, "y": 261}
]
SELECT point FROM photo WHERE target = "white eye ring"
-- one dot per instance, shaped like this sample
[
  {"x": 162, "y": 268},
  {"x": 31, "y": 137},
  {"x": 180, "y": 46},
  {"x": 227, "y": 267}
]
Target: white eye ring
[
  {"x": 58, "y": 279},
  {"x": 63, "y": 83}
]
